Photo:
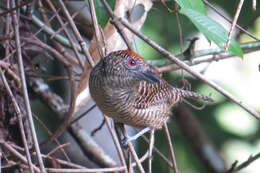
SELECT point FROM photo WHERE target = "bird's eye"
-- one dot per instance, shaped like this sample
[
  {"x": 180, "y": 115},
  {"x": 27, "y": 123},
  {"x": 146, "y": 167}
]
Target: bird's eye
[{"x": 131, "y": 62}]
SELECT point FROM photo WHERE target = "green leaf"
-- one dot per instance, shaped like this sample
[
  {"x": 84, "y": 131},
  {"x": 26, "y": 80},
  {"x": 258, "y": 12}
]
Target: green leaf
[
  {"x": 212, "y": 30},
  {"x": 196, "y": 5}
]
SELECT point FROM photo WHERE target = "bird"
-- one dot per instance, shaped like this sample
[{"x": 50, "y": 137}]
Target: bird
[{"x": 128, "y": 89}]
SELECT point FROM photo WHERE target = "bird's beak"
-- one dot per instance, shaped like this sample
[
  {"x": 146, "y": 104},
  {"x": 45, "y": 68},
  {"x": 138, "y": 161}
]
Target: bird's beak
[{"x": 148, "y": 76}]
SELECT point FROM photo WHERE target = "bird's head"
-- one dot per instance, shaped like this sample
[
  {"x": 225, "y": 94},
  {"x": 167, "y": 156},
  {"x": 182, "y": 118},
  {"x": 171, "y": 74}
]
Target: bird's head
[{"x": 127, "y": 64}]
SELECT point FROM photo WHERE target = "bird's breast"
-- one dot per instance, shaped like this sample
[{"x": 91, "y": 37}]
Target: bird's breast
[{"x": 120, "y": 103}]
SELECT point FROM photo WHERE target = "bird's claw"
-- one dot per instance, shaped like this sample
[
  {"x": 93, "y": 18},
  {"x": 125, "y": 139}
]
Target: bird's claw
[{"x": 125, "y": 141}]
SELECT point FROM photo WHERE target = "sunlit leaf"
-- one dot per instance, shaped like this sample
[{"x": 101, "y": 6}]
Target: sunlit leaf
[{"x": 196, "y": 5}]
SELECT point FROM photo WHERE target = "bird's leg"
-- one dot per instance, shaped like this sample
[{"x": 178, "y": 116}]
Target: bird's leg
[
  {"x": 120, "y": 130},
  {"x": 128, "y": 139}
]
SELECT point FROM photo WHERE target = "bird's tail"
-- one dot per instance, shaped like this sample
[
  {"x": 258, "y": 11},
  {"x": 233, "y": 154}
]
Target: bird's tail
[{"x": 193, "y": 95}]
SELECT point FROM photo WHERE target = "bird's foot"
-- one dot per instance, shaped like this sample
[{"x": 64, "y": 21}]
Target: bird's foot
[
  {"x": 128, "y": 139},
  {"x": 125, "y": 141}
]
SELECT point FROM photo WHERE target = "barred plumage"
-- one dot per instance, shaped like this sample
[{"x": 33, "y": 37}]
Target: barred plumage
[{"x": 128, "y": 89}]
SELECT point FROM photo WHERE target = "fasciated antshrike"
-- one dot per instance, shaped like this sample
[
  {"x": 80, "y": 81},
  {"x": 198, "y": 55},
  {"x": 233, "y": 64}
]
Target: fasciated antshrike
[{"x": 131, "y": 91}]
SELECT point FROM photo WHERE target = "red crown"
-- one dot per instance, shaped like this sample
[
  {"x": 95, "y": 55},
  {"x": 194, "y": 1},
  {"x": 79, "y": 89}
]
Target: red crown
[{"x": 132, "y": 54}]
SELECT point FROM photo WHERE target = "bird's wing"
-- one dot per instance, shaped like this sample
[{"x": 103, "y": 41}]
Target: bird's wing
[{"x": 149, "y": 94}]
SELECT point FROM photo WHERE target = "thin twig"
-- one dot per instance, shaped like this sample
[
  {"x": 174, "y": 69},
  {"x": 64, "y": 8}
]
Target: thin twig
[
  {"x": 17, "y": 154},
  {"x": 7, "y": 30},
  {"x": 57, "y": 148},
  {"x": 8, "y": 11},
  {"x": 244, "y": 164},
  {"x": 82, "y": 115},
  {"x": 116, "y": 142},
  {"x": 66, "y": 33},
  {"x": 227, "y": 19},
  {"x": 157, "y": 151},
  {"x": 136, "y": 159},
  {"x": 24, "y": 88},
  {"x": 151, "y": 144},
  {"x": 57, "y": 45},
  {"x": 98, "y": 128},
  {"x": 66, "y": 23},
  {"x": 51, "y": 32},
  {"x": 49, "y": 133},
  {"x": 121, "y": 132},
  {"x": 233, "y": 24},
  {"x": 129, "y": 163},
  {"x": 99, "y": 40},
  {"x": 48, "y": 48},
  {"x": 43, "y": 27},
  {"x": 77, "y": 34},
  {"x": 171, "y": 67},
  {"x": 63, "y": 162},
  {"x": 6, "y": 67},
  {"x": 170, "y": 146},
  {"x": 87, "y": 170},
  {"x": 120, "y": 129},
  {"x": 19, "y": 115}
]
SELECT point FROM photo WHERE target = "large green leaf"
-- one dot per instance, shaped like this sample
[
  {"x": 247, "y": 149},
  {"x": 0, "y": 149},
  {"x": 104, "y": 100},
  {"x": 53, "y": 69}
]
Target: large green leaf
[
  {"x": 196, "y": 5},
  {"x": 212, "y": 30}
]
